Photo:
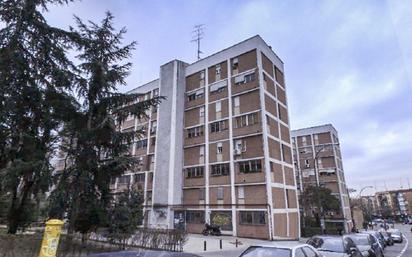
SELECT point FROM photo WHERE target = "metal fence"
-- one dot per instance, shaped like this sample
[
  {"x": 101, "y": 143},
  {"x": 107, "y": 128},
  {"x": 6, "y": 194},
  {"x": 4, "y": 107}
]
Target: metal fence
[{"x": 73, "y": 246}]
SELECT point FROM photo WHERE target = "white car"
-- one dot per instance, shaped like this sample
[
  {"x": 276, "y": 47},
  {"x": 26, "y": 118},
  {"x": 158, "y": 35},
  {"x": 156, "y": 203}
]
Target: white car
[{"x": 301, "y": 250}]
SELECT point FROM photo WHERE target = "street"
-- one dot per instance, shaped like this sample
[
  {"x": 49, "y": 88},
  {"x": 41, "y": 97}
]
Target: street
[
  {"x": 404, "y": 249},
  {"x": 397, "y": 250}
]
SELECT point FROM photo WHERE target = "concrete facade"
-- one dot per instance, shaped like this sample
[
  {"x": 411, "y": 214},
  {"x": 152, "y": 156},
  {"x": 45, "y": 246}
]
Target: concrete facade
[{"x": 219, "y": 146}]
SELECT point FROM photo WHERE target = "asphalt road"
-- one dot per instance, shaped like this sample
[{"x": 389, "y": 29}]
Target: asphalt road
[{"x": 404, "y": 249}]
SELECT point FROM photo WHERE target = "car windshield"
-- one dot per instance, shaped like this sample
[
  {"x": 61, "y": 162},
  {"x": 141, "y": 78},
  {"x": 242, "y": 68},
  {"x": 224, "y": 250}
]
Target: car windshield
[
  {"x": 328, "y": 244},
  {"x": 257, "y": 251},
  {"x": 360, "y": 240}
]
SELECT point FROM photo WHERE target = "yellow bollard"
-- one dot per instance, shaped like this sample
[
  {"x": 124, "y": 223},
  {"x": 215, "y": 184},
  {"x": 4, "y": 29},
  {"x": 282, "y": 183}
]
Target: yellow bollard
[{"x": 51, "y": 238}]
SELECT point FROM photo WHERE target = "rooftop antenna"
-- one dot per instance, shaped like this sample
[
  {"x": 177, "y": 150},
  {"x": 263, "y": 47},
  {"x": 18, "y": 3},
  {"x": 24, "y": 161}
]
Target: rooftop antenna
[{"x": 197, "y": 35}]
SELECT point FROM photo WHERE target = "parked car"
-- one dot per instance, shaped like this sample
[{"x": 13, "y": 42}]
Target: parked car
[
  {"x": 143, "y": 253},
  {"x": 387, "y": 236},
  {"x": 396, "y": 235},
  {"x": 367, "y": 244},
  {"x": 377, "y": 236},
  {"x": 335, "y": 246},
  {"x": 301, "y": 250}
]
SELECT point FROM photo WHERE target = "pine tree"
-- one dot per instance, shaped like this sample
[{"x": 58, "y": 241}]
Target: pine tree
[
  {"x": 35, "y": 77},
  {"x": 125, "y": 216},
  {"x": 98, "y": 151}
]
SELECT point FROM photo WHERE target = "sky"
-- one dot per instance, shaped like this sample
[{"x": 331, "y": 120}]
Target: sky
[{"x": 348, "y": 63}]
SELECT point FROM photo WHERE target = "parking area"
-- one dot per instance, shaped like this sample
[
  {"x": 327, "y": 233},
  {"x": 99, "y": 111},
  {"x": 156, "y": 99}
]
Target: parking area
[
  {"x": 196, "y": 244},
  {"x": 403, "y": 249}
]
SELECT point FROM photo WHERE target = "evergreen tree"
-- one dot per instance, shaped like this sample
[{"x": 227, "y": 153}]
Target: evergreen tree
[
  {"x": 98, "y": 151},
  {"x": 35, "y": 76},
  {"x": 125, "y": 216}
]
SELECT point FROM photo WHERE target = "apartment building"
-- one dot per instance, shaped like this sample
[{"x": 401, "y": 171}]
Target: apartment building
[
  {"x": 219, "y": 146},
  {"x": 395, "y": 203},
  {"x": 318, "y": 162}
]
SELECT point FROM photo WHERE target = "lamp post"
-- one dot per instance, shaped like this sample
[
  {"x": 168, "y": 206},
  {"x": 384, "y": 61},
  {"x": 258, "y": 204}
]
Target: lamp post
[
  {"x": 360, "y": 196},
  {"x": 318, "y": 185},
  {"x": 321, "y": 212}
]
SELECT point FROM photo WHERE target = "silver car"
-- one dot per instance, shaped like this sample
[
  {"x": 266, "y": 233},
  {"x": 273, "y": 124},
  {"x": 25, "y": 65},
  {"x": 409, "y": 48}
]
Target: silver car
[
  {"x": 302, "y": 250},
  {"x": 396, "y": 235}
]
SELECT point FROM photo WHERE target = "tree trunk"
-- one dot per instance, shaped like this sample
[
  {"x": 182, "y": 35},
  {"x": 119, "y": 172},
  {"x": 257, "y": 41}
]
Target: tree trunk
[{"x": 14, "y": 218}]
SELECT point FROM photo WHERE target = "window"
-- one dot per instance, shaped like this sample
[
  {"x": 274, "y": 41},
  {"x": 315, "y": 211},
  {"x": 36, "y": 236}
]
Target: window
[
  {"x": 243, "y": 79},
  {"x": 220, "y": 169},
  {"x": 304, "y": 141},
  {"x": 249, "y": 78},
  {"x": 250, "y": 166},
  {"x": 218, "y": 87},
  {"x": 194, "y": 172},
  {"x": 156, "y": 92},
  {"x": 153, "y": 127},
  {"x": 252, "y": 217},
  {"x": 235, "y": 64},
  {"x": 195, "y": 132},
  {"x": 316, "y": 139},
  {"x": 201, "y": 154},
  {"x": 125, "y": 179},
  {"x": 141, "y": 144},
  {"x": 246, "y": 120},
  {"x": 309, "y": 252},
  {"x": 153, "y": 141},
  {"x": 240, "y": 145},
  {"x": 139, "y": 178},
  {"x": 299, "y": 253},
  {"x": 218, "y": 126},
  {"x": 218, "y": 71},
  {"x": 201, "y": 194},
  {"x": 140, "y": 163},
  {"x": 202, "y": 111},
  {"x": 219, "y": 148},
  {"x": 195, "y": 95},
  {"x": 236, "y": 101},
  {"x": 202, "y": 75},
  {"x": 220, "y": 193},
  {"x": 218, "y": 106},
  {"x": 197, "y": 217},
  {"x": 218, "y": 109},
  {"x": 288, "y": 194},
  {"x": 241, "y": 192}
]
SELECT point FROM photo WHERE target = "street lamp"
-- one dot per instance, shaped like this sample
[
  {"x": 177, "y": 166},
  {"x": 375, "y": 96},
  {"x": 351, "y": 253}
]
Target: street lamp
[
  {"x": 360, "y": 197},
  {"x": 316, "y": 157},
  {"x": 363, "y": 188}
]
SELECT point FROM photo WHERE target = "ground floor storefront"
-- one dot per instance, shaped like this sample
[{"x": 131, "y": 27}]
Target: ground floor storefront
[{"x": 256, "y": 223}]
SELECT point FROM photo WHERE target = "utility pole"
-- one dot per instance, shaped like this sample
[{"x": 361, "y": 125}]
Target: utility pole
[{"x": 197, "y": 35}]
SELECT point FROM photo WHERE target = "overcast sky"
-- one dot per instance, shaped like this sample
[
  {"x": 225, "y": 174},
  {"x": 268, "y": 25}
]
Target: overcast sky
[{"x": 348, "y": 63}]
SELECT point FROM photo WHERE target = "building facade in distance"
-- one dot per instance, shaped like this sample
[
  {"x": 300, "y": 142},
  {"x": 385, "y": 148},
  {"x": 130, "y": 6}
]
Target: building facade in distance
[
  {"x": 218, "y": 148},
  {"x": 394, "y": 203},
  {"x": 318, "y": 162}
]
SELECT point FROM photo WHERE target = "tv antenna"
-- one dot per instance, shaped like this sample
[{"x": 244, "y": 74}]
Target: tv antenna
[{"x": 197, "y": 35}]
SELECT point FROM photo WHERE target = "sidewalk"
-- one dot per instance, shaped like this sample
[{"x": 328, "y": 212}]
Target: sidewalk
[{"x": 195, "y": 244}]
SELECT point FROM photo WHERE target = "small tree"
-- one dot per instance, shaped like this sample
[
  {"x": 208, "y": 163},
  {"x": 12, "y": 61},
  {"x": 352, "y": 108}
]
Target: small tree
[
  {"x": 315, "y": 199},
  {"x": 125, "y": 216}
]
